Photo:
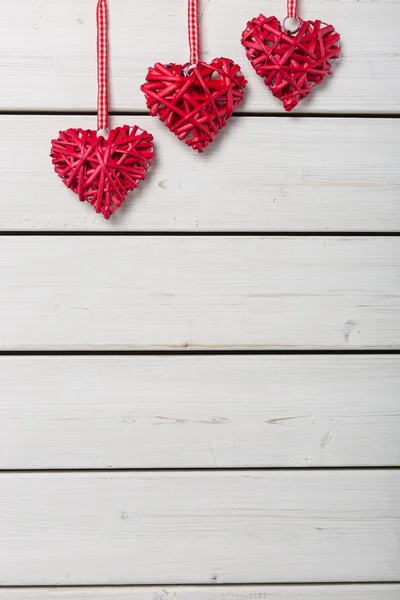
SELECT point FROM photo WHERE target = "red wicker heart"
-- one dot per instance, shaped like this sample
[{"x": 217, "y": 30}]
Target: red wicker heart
[
  {"x": 102, "y": 171},
  {"x": 195, "y": 103},
  {"x": 291, "y": 65}
]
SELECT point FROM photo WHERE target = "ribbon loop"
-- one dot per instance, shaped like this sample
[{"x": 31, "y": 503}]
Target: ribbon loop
[
  {"x": 102, "y": 65},
  {"x": 193, "y": 29},
  {"x": 291, "y": 9}
]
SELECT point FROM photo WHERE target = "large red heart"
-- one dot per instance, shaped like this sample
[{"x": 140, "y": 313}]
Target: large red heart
[
  {"x": 196, "y": 101},
  {"x": 291, "y": 65},
  {"x": 102, "y": 170}
]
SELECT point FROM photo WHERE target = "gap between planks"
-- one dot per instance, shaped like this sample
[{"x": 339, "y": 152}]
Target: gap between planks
[
  {"x": 150, "y": 233},
  {"x": 219, "y": 470},
  {"x": 265, "y": 115},
  {"x": 190, "y": 352},
  {"x": 202, "y": 586}
]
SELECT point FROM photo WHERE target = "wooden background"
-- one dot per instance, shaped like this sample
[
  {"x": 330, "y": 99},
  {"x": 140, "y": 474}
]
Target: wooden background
[{"x": 199, "y": 399}]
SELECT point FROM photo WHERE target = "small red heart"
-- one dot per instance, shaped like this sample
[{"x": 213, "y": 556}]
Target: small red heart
[
  {"x": 291, "y": 65},
  {"x": 196, "y": 101},
  {"x": 102, "y": 170}
]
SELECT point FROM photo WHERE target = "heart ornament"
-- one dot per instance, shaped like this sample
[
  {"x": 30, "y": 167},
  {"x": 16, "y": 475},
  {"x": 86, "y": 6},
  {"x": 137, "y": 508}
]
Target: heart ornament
[
  {"x": 102, "y": 167},
  {"x": 291, "y": 63},
  {"x": 194, "y": 101}
]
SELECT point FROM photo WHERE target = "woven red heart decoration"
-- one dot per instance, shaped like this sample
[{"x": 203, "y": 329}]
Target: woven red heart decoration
[
  {"x": 291, "y": 64},
  {"x": 102, "y": 166},
  {"x": 196, "y": 103},
  {"x": 102, "y": 171}
]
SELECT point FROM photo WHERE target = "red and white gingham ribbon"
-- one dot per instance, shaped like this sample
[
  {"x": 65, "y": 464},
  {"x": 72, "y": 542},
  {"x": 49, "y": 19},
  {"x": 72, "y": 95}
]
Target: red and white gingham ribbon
[
  {"x": 102, "y": 65},
  {"x": 291, "y": 8},
  {"x": 194, "y": 42}
]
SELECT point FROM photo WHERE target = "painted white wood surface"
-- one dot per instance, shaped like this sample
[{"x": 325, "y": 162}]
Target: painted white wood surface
[
  {"x": 333, "y": 175},
  {"x": 47, "y": 51},
  {"x": 263, "y": 174},
  {"x": 199, "y": 411},
  {"x": 245, "y": 592},
  {"x": 199, "y": 292},
  {"x": 199, "y": 527}
]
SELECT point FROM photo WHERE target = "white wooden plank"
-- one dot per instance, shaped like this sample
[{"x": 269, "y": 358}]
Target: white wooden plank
[
  {"x": 245, "y": 592},
  {"x": 47, "y": 51},
  {"x": 328, "y": 178},
  {"x": 199, "y": 411},
  {"x": 199, "y": 292},
  {"x": 199, "y": 527}
]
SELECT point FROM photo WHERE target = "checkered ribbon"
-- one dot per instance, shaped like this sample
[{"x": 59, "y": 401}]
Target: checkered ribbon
[
  {"x": 102, "y": 65},
  {"x": 291, "y": 8},
  {"x": 194, "y": 43}
]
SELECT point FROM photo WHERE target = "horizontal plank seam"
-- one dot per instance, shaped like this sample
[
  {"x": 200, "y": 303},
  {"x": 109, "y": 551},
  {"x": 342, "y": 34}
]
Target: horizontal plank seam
[
  {"x": 150, "y": 233},
  {"x": 122, "y": 352},
  {"x": 267, "y": 115},
  {"x": 5, "y": 472},
  {"x": 199, "y": 585}
]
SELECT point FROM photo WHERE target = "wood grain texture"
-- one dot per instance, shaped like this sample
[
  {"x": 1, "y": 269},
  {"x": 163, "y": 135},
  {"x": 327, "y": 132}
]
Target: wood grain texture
[
  {"x": 245, "y": 592},
  {"x": 199, "y": 411},
  {"x": 199, "y": 527},
  {"x": 328, "y": 178},
  {"x": 59, "y": 74},
  {"x": 199, "y": 292}
]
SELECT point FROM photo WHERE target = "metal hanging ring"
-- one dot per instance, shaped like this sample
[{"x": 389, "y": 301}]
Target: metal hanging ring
[{"x": 294, "y": 29}]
